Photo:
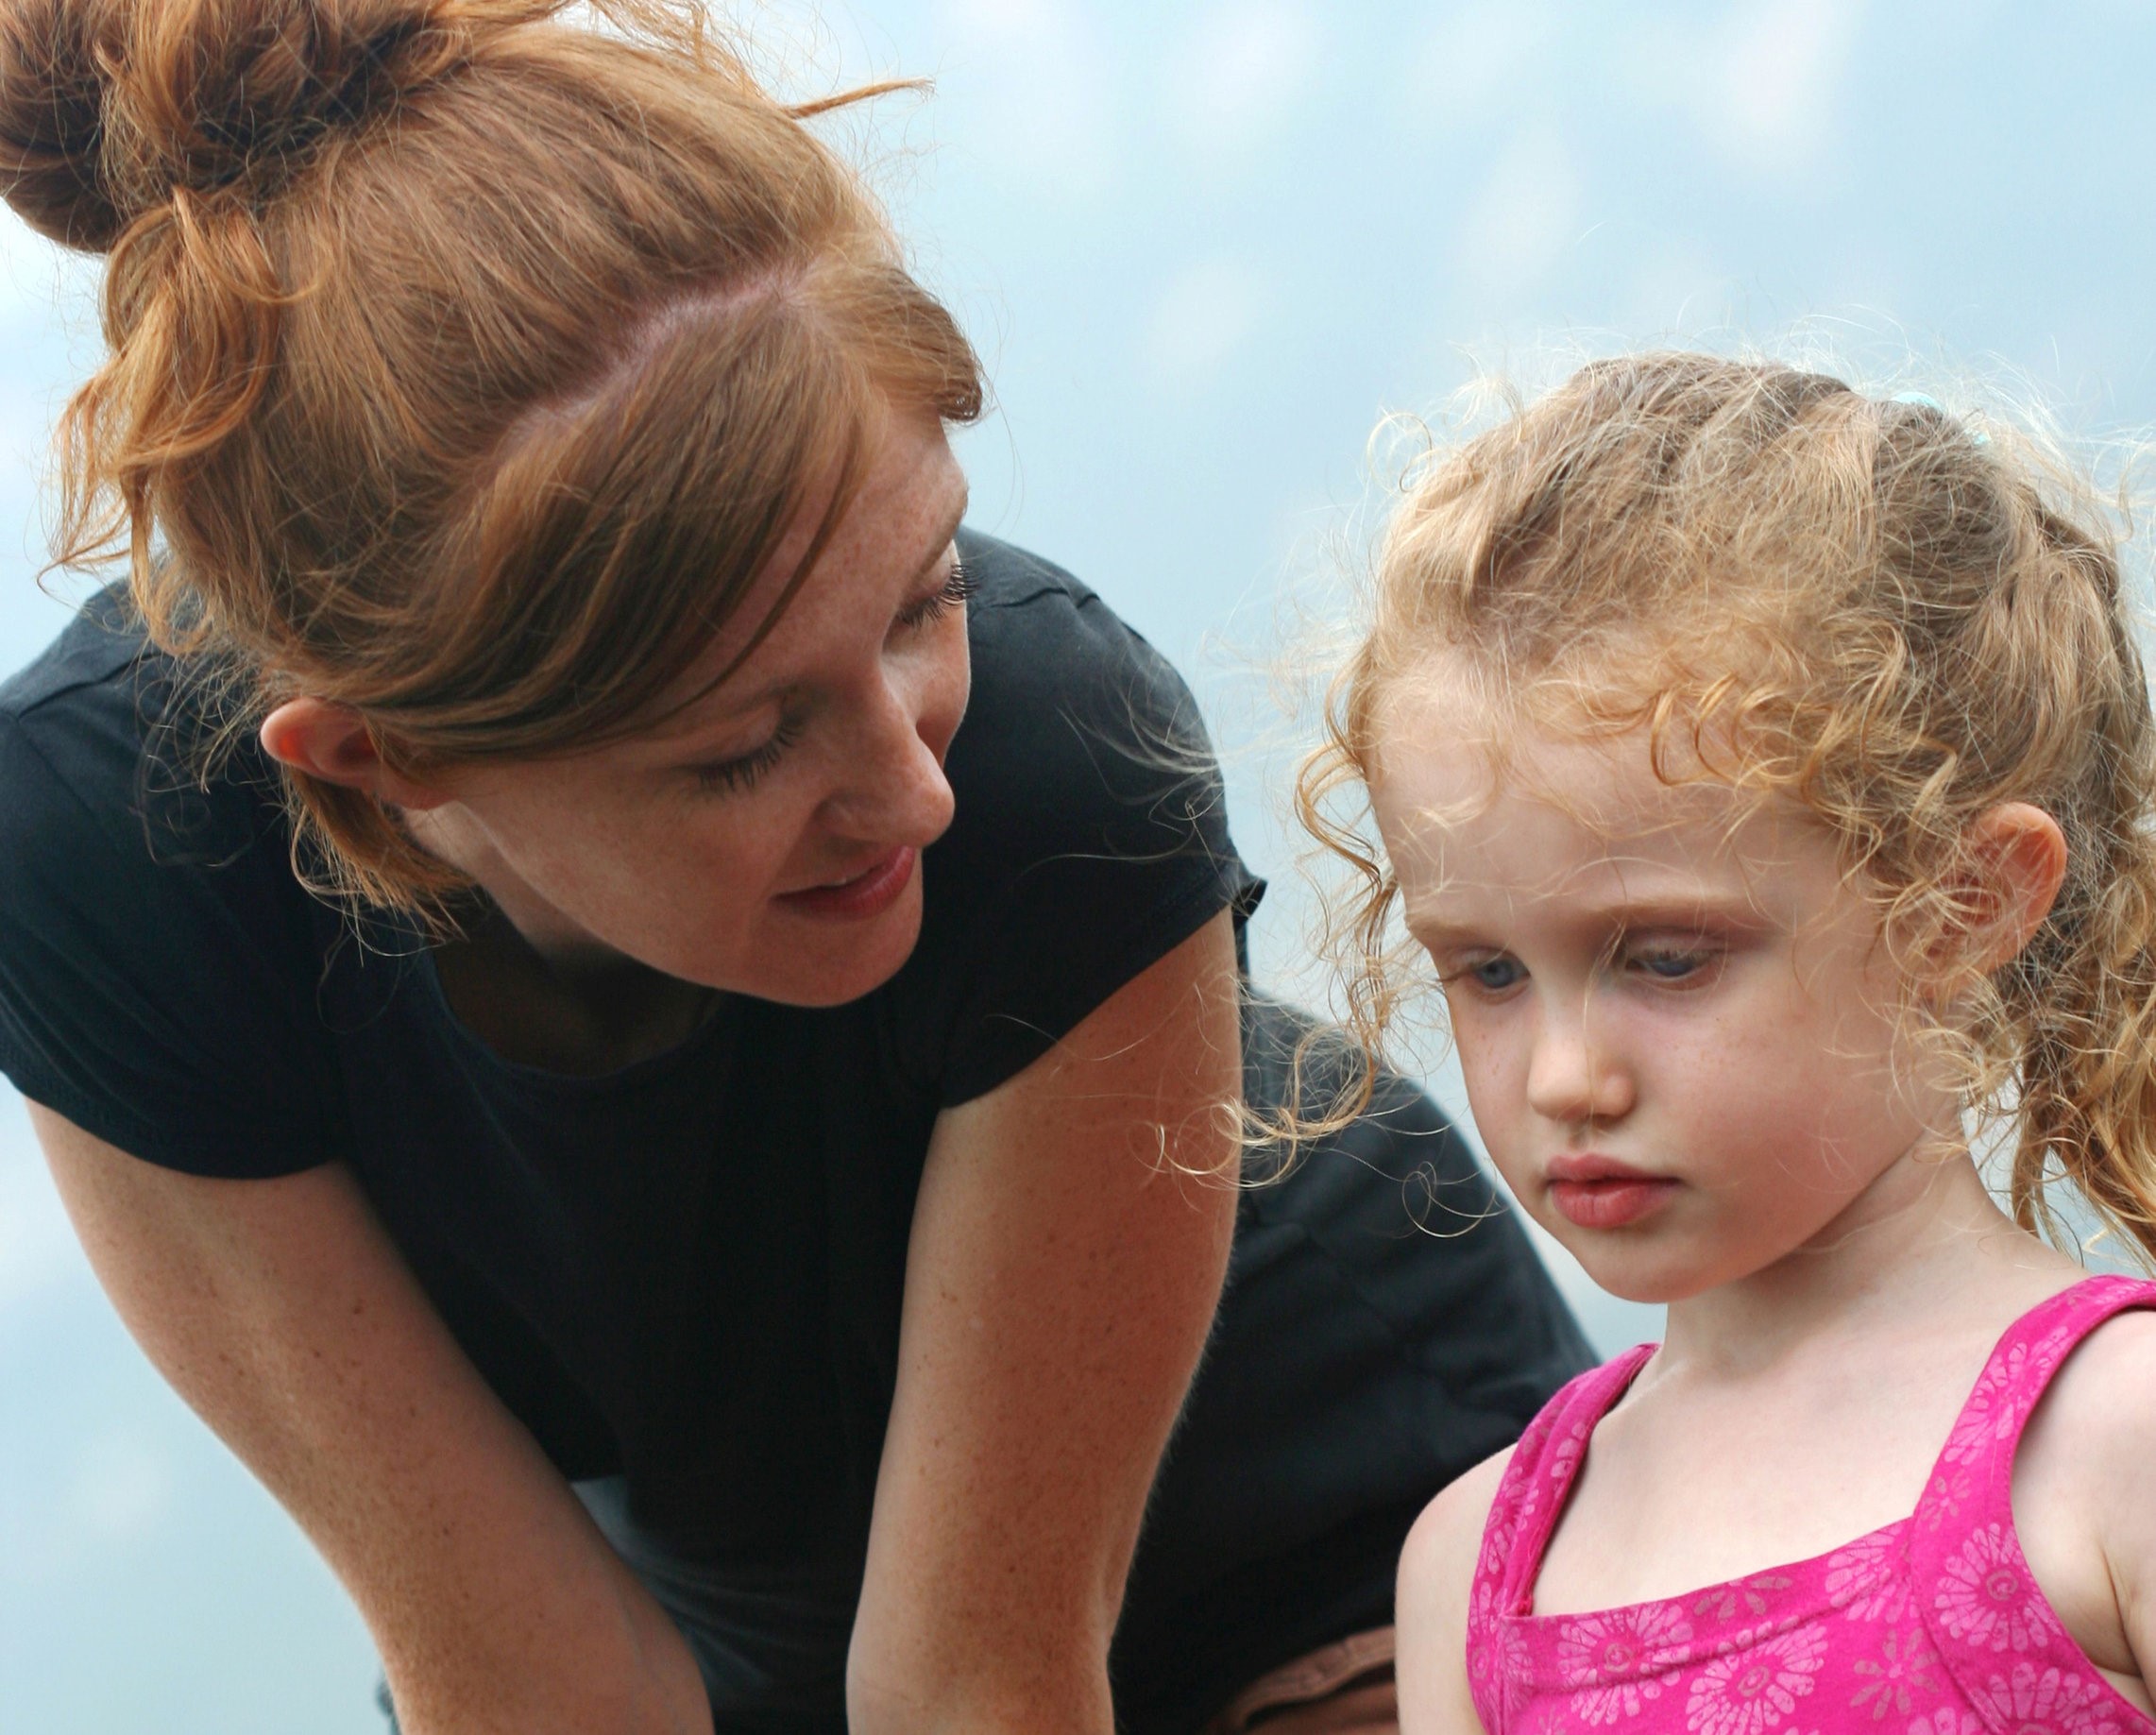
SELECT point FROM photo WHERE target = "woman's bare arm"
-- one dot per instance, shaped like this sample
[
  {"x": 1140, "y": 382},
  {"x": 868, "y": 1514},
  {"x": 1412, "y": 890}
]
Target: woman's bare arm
[
  {"x": 1062, "y": 1278},
  {"x": 280, "y": 1310}
]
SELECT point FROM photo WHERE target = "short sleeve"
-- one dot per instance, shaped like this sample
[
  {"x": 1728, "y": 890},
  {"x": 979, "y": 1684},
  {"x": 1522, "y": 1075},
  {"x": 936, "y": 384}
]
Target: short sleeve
[
  {"x": 156, "y": 967},
  {"x": 1091, "y": 835}
]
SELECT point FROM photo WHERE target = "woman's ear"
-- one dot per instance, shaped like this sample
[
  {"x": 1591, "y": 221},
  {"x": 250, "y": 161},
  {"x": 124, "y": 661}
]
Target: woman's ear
[
  {"x": 2019, "y": 858},
  {"x": 331, "y": 743}
]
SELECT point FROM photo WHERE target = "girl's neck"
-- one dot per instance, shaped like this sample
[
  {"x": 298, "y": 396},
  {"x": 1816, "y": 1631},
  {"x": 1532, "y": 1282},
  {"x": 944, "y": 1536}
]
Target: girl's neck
[{"x": 1925, "y": 1242}]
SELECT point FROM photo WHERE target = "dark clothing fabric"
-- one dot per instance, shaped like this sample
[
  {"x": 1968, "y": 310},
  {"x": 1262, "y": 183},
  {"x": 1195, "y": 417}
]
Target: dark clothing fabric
[{"x": 686, "y": 1277}]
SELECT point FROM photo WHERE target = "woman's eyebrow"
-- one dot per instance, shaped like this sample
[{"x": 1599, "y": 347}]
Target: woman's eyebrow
[
  {"x": 951, "y": 523},
  {"x": 705, "y": 710}
]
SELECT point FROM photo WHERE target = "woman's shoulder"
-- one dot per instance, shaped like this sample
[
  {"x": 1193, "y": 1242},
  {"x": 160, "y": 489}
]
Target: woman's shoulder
[
  {"x": 1079, "y": 739},
  {"x": 1091, "y": 833},
  {"x": 156, "y": 951},
  {"x": 70, "y": 721},
  {"x": 1062, "y": 683},
  {"x": 104, "y": 746},
  {"x": 1002, "y": 577}
]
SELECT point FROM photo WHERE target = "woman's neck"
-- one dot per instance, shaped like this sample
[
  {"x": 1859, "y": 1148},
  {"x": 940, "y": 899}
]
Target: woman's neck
[
  {"x": 533, "y": 986},
  {"x": 583, "y": 1010}
]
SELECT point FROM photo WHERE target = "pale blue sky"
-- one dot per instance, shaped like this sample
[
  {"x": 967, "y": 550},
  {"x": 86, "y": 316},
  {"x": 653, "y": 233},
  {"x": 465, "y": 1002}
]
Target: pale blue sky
[{"x": 1203, "y": 249}]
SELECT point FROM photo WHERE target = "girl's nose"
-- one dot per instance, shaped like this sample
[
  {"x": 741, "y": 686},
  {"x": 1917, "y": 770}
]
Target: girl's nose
[{"x": 1572, "y": 1078}]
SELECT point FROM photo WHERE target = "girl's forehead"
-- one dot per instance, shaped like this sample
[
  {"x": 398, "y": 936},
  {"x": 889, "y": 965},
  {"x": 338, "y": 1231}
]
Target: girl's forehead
[
  {"x": 1464, "y": 786},
  {"x": 1445, "y": 746}
]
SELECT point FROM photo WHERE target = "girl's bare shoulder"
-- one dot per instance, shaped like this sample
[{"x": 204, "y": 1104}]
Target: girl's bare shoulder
[
  {"x": 2096, "y": 1422},
  {"x": 2080, "y": 1499},
  {"x": 1436, "y": 1581},
  {"x": 1437, "y": 1564}
]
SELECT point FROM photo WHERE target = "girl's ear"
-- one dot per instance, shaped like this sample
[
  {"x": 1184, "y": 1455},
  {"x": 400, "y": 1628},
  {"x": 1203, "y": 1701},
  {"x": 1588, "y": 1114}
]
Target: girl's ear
[
  {"x": 2019, "y": 860},
  {"x": 331, "y": 743}
]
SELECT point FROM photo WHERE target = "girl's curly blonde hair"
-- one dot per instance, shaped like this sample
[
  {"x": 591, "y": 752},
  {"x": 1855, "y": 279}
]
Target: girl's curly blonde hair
[{"x": 1868, "y": 606}]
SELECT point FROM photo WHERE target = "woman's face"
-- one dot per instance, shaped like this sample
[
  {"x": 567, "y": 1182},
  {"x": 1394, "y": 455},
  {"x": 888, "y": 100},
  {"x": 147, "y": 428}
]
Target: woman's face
[{"x": 766, "y": 839}]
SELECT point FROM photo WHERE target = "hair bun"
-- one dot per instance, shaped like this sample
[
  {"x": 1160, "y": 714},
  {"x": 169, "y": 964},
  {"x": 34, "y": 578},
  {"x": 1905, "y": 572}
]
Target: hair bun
[
  {"x": 107, "y": 107},
  {"x": 51, "y": 122}
]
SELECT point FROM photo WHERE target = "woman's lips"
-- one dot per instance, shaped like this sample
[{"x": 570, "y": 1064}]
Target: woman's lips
[
  {"x": 869, "y": 893},
  {"x": 1597, "y": 1192}
]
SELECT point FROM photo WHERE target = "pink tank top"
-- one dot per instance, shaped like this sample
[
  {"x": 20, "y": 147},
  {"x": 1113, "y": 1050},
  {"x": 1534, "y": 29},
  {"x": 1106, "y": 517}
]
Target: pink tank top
[{"x": 1931, "y": 1626}]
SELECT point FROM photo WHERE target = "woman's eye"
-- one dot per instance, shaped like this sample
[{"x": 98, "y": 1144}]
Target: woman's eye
[
  {"x": 731, "y": 776},
  {"x": 956, "y": 588}
]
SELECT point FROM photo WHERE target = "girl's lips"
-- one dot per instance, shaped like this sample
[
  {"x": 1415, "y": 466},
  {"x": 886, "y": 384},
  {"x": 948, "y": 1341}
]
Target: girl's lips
[
  {"x": 1597, "y": 1192},
  {"x": 868, "y": 894},
  {"x": 1608, "y": 1204}
]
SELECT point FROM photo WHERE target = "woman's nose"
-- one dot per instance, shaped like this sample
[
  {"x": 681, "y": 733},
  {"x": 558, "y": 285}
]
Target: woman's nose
[
  {"x": 1572, "y": 1078},
  {"x": 895, "y": 791}
]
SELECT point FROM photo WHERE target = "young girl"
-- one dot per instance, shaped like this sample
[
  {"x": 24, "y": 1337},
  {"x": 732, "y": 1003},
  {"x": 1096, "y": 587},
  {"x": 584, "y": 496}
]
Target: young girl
[{"x": 1766, "y": 771}]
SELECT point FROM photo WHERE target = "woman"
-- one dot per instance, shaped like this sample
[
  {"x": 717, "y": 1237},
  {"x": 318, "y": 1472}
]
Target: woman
[{"x": 643, "y": 1025}]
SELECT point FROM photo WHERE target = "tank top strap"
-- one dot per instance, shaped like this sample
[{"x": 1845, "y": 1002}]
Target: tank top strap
[
  {"x": 1996, "y": 1632},
  {"x": 1524, "y": 1511}
]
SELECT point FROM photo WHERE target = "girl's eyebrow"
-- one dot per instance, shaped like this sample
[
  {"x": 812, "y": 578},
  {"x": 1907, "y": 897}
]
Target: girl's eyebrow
[
  {"x": 1602, "y": 914},
  {"x": 1670, "y": 912}
]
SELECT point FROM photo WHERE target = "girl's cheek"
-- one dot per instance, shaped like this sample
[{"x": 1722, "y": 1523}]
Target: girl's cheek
[{"x": 1486, "y": 1064}]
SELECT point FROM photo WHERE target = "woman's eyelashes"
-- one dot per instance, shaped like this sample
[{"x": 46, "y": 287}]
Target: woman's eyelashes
[
  {"x": 953, "y": 594},
  {"x": 730, "y": 776}
]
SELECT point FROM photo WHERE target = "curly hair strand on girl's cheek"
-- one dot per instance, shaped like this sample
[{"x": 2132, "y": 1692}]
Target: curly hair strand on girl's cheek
[{"x": 1905, "y": 626}]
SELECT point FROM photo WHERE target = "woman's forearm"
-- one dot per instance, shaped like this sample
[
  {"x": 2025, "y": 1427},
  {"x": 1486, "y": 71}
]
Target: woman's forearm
[
  {"x": 282, "y": 1313},
  {"x": 1068, "y": 1248}
]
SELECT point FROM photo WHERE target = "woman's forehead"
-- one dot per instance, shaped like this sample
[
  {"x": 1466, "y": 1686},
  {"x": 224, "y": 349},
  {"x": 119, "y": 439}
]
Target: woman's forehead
[{"x": 792, "y": 625}]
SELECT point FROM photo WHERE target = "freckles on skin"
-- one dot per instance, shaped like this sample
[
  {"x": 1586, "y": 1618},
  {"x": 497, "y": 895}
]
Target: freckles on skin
[
  {"x": 627, "y": 851},
  {"x": 1650, "y": 977}
]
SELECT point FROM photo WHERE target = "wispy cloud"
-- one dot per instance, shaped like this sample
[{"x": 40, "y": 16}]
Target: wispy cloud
[
  {"x": 1763, "y": 83},
  {"x": 1238, "y": 74},
  {"x": 1207, "y": 313},
  {"x": 1478, "y": 61},
  {"x": 1028, "y": 86},
  {"x": 1525, "y": 214},
  {"x": 120, "y": 1487}
]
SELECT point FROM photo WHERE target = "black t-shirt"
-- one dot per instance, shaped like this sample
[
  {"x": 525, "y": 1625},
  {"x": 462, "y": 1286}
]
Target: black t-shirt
[{"x": 685, "y": 1277}]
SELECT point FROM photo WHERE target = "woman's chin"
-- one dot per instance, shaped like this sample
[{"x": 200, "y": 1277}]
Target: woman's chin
[{"x": 812, "y": 962}]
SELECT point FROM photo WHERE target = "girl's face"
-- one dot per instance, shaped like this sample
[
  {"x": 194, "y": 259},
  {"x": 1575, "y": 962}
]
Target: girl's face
[
  {"x": 1677, "y": 1025},
  {"x": 765, "y": 840}
]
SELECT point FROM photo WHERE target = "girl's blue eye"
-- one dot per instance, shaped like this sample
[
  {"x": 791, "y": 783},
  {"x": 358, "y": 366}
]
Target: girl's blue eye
[
  {"x": 956, "y": 588},
  {"x": 1495, "y": 975},
  {"x": 1670, "y": 965}
]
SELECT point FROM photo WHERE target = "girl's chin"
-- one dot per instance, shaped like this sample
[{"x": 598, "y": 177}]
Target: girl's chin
[{"x": 1642, "y": 1272}]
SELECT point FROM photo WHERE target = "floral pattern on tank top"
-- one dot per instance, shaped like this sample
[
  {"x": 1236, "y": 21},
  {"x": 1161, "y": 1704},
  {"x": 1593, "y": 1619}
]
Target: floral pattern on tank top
[{"x": 1930, "y": 1626}]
